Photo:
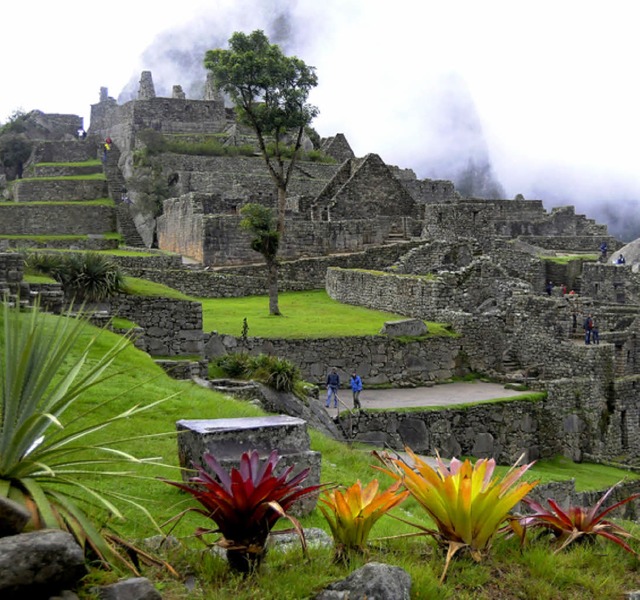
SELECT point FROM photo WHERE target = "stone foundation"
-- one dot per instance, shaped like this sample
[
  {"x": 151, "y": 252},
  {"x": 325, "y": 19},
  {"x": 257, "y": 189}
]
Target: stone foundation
[{"x": 228, "y": 439}]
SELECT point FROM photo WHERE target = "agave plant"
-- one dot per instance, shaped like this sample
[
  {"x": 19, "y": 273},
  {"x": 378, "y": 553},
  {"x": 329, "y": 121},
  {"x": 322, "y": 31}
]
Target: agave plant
[
  {"x": 351, "y": 514},
  {"x": 245, "y": 504},
  {"x": 578, "y": 523},
  {"x": 467, "y": 504},
  {"x": 46, "y": 459}
]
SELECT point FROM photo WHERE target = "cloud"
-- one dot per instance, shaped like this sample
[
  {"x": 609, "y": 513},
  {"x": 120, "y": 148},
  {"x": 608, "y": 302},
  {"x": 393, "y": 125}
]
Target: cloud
[{"x": 545, "y": 91}]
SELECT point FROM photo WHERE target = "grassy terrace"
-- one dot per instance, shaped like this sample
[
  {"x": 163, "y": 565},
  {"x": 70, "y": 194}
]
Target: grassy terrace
[{"x": 582, "y": 572}]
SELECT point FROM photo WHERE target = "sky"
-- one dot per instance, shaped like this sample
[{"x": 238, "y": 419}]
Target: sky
[{"x": 547, "y": 91}]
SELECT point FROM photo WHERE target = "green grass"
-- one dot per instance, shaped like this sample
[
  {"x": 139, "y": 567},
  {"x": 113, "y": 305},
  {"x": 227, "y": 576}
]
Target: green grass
[
  {"x": 143, "y": 287},
  {"x": 602, "y": 571},
  {"x": 86, "y": 163},
  {"x": 110, "y": 252},
  {"x": 310, "y": 314},
  {"x": 37, "y": 278},
  {"x": 91, "y": 177}
]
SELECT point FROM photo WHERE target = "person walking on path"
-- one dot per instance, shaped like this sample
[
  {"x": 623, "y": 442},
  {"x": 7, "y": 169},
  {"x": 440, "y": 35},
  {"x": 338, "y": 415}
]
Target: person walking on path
[
  {"x": 356, "y": 387},
  {"x": 333, "y": 385}
]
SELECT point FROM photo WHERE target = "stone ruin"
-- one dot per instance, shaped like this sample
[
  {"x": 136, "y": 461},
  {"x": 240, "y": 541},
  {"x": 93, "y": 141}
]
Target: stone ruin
[{"x": 373, "y": 235}]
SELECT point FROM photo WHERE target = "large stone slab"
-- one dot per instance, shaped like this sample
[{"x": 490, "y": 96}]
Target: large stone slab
[
  {"x": 228, "y": 439},
  {"x": 410, "y": 327}
]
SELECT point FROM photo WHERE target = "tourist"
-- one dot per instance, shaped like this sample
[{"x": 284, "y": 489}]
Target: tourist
[
  {"x": 603, "y": 251},
  {"x": 621, "y": 260},
  {"x": 549, "y": 288},
  {"x": 564, "y": 289},
  {"x": 333, "y": 385},
  {"x": 356, "y": 387},
  {"x": 595, "y": 332},
  {"x": 587, "y": 326}
]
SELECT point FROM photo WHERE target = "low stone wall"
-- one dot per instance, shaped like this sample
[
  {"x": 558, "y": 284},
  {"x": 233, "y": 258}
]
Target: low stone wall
[
  {"x": 171, "y": 327},
  {"x": 572, "y": 243},
  {"x": 377, "y": 359},
  {"x": 11, "y": 271},
  {"x": 51, "y": 190},
  {"x": 249, "y": 280},
  {"x": 56, "y": 219}
]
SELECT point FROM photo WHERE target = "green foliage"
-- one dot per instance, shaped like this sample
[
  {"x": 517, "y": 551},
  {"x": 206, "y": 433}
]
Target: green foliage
[
  {"x": 278, "y": 373},
  {"x": 88, "y": 277},
  {"x": 576, "y": 523},
  {"x": 235, "y": 364},
  {"x": 465, "y": 501},
  {"x": 245, "y": 504},
  {"x": 260, "y": 222},
  {"x": 46, "y": 458},
  {"x": 269, "y": 89}
]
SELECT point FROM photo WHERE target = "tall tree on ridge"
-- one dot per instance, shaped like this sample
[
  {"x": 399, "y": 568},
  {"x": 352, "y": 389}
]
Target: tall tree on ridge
[{"x": 270, "y": 92}]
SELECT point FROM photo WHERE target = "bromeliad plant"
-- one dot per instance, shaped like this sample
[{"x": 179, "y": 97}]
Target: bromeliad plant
[
  {"x": 47, "y": 463},
  {"x": 245, "y": 504},
  {"x": 576, "y": 523},
  {"x": 351, "y": 514},
  {"x": 467, "y": 504}
]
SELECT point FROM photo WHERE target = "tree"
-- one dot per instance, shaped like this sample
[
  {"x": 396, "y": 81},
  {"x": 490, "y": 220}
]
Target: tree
[
  {"x": 258, "y": 220},
  {"x": 270, "y": 92}
]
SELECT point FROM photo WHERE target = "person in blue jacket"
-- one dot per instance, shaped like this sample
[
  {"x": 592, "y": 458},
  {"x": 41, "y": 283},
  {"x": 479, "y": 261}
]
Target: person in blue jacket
[{"x": 356, "y": 387}]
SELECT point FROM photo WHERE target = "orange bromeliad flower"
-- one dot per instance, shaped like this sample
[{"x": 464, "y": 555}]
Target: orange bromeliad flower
[{"x": 351, "y": 514}]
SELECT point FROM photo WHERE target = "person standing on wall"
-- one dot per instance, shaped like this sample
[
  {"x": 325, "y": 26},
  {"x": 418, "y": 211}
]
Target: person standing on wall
[
  {"x": 587, "y": 326},
  {"x": 356, "y": 387},
  {"x": 333, "y": 385}
]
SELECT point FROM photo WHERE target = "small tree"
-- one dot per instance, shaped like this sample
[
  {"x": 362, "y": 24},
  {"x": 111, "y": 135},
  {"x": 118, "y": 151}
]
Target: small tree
[
  {"x": 270, "y": 92},
  {"x": 258, "y": 220}
]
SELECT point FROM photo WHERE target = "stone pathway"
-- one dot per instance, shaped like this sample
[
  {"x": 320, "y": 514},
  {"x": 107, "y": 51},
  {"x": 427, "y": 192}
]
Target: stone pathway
[{"x": 438, "y": 395}]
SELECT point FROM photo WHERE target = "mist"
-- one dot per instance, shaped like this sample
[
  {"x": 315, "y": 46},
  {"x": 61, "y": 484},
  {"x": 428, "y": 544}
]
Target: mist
[{"x": 439, "y": 90}]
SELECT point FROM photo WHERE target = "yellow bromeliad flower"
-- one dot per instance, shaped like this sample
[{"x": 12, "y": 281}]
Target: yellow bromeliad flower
[
  {"x": 351, "y": 514},
  {"x": 467, "y": 504}
]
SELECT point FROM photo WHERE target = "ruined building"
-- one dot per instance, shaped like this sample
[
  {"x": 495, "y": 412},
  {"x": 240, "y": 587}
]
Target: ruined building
[{"x": 374, "y": 235}]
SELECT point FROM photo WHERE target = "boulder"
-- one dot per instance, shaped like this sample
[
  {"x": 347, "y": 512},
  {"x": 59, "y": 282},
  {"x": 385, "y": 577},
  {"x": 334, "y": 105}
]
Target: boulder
[
  {"x": 409, "y": 327},
  {"x": 373, "y": 581},
  {"x": 39, "y": 564}
]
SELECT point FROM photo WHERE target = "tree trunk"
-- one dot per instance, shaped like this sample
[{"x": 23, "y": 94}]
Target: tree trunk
[
  {"x": 272, "y": 284},
  {"x": 282, "y": 203}
]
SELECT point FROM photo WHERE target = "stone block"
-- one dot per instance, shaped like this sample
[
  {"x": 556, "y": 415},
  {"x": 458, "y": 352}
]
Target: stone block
[
  {"x": 409, "y": 327},
  {"x": 228, "y": 439}
]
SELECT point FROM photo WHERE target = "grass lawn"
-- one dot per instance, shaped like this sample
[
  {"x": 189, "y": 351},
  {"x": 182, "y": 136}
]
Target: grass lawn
[
  {"x": 310, "y": 314},
  {"x": 603, "y": 571}
]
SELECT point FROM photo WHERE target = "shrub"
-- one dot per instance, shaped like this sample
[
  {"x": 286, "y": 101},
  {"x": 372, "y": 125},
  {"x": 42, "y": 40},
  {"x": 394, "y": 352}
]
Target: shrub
[
  {"x": 47, "y": 463},
  {"x": 245, "y": 504},
  {"x": 577, "y": 523},
  {"x": 235, "y": 365},
  {"x": 278, "y": 373},
  {"x": 90, "y": 277},
  {"x": 465, "y": 502},
  {"x": 351, "y": 514}
]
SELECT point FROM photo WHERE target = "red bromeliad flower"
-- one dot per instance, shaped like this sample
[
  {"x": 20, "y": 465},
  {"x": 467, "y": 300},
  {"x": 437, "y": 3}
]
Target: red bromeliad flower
[
  {"x": 576, "y": 522},
  {"x": 246, "y": 503}
]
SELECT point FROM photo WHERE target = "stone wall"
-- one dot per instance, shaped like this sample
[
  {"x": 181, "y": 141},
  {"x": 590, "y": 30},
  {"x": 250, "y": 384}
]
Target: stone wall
[
  {"x": 63, "y": 151},
  {"x": 68, "y": 190},
  {"x": 11, "y": 272},
  {"x": 171, "y": 327},
  {"x": 250, "y": 280},
  {"x": 616, "y": 284},
  {"x": 575, "y": 420},
  {"x": 217, "y": 240},
  {"x": 377, "y": 359},
  {"x": 56, "y": 219}
]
